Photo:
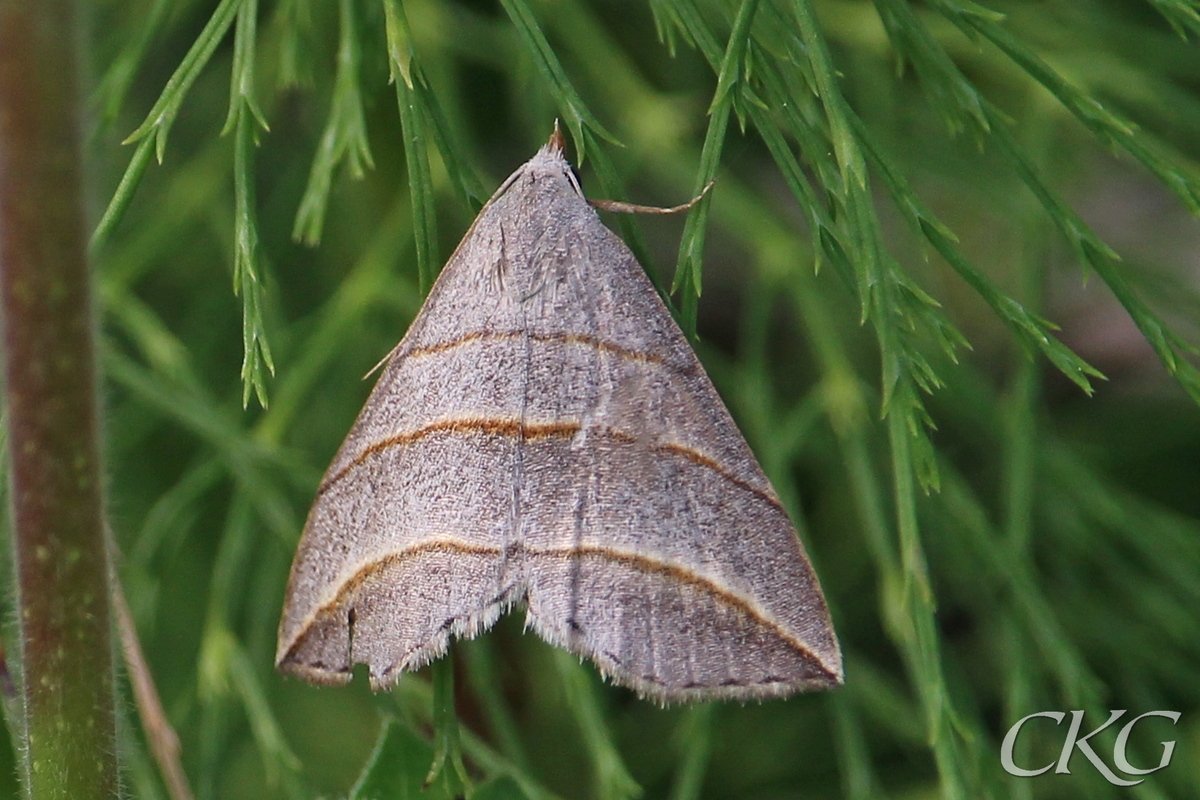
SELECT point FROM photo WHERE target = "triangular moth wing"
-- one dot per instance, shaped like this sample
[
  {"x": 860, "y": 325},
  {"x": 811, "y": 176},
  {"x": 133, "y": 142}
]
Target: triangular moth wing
[
  {"x": 409, "y": 539},
  {"x": 652, "y": 540}
]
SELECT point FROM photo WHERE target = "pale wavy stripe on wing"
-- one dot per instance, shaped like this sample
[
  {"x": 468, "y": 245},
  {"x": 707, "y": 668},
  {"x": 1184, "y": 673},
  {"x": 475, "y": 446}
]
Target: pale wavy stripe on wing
[{"x": 594, "y": 342}]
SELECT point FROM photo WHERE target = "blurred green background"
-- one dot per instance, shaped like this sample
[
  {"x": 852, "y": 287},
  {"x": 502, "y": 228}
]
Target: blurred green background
[{"x": 993, "y": 541}]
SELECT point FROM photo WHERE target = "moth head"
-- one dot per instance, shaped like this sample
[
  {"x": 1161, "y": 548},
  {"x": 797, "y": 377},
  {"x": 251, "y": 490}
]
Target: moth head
[{"x": 551, "y": 161}]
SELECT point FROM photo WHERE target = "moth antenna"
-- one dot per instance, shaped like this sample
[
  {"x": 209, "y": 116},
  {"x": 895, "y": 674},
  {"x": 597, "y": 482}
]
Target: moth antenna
[
  {"x": 620, "y": 207},
  {"x": 383, "y": 360}
]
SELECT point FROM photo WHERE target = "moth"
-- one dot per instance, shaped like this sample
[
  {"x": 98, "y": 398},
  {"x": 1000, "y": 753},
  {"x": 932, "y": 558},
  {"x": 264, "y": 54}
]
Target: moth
[{"x": 544, "y": 436}]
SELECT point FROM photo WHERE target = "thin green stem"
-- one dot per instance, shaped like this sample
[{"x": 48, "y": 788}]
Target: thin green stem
[
  {"x": 697, "y": 733},
  {"x": 447, "y": 770},
  {"x": 612, "y": 778}
]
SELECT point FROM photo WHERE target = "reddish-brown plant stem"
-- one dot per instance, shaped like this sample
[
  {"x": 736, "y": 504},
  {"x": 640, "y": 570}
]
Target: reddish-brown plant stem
[{"x": 60, "y": 551}]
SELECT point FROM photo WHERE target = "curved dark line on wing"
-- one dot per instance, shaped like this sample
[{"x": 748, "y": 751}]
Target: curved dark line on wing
[
  {"x": 634, "y": 560},
  {"x": 369, "y": 570},
  {"x": 686, "y": 576},
  {"x": 528, "y": 432}
]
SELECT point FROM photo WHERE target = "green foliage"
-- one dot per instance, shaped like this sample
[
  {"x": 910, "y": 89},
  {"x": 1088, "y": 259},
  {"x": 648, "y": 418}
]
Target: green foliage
[{"x": 892, "y": 309}]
